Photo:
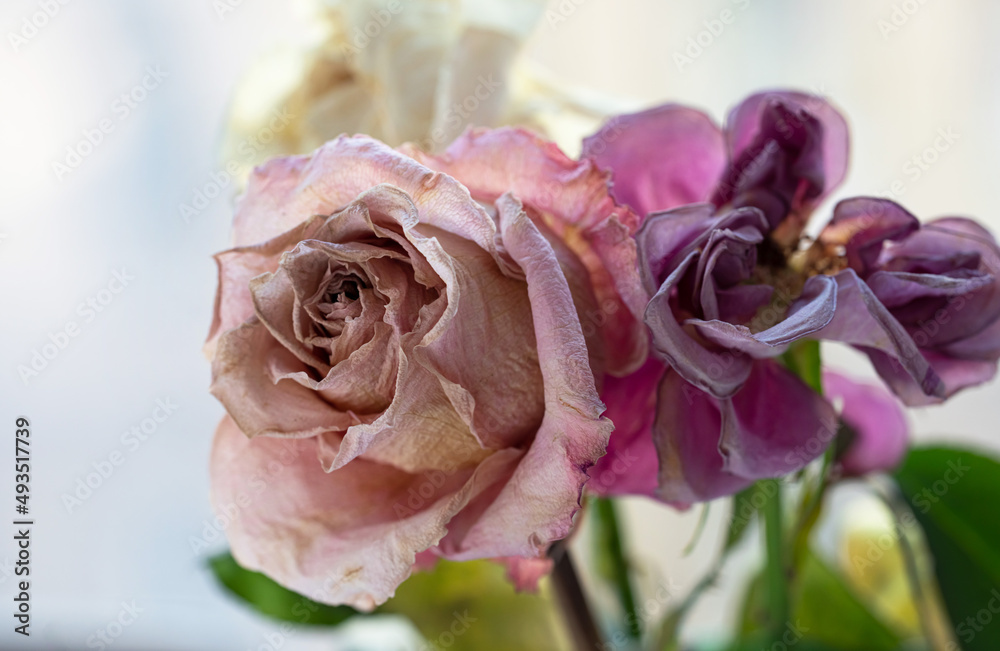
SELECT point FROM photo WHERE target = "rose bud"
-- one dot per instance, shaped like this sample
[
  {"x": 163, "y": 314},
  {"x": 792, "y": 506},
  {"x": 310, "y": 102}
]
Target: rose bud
[{"x": 781, "y": 151}]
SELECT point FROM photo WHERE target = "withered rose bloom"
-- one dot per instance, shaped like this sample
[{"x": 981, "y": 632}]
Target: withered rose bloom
[
  {"x": 407, "y": 367},
  {"x": 940, "y": 280},
  {"x": 733, "y": 284},
  {"x": 712, "y": 402}
]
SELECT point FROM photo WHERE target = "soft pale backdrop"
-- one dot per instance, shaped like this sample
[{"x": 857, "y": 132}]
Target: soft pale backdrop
[{"x": 62, "y": 239}]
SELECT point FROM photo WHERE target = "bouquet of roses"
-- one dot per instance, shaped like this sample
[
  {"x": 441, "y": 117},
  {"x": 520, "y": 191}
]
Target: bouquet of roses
[{"x": 433, "y": 357}]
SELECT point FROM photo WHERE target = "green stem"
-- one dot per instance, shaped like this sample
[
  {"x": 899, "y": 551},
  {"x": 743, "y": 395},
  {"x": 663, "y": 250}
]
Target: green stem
[
  {"x": 667, "y": 637},
  {"x": 809, "y": 510},
  {"x": 698, "y": 530},
  {"x": 777, "y": 579},
  {"x": 609, "y": 541}
]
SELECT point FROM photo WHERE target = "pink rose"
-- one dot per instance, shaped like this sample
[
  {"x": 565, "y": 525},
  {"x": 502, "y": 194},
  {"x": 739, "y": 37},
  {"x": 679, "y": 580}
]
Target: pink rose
[{"x": 407, "y": 367}]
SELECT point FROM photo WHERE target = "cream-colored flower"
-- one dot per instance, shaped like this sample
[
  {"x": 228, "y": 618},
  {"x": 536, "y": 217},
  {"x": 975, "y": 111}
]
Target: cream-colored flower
[
  {"x": 418, "y": 71},
  {"x": 873, "y": 563}
]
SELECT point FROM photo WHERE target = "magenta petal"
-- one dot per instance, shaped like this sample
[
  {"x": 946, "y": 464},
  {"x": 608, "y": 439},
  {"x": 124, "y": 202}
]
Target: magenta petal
[
  {"x": 660, "y": 158},
  {"x": 950, "y": 240},
  {"x": 815, "y": 309},
  {"x": 686, "y": 435},
  {"x": 877, "y": 419},
  {"x": 665, "y": 236},
  {"x": 946, "y": 252},
  {"x": 862, "y": 321},
  {"x": 898, "y": 288},
  {"x": 727, "y": 259},
  {"x": 739, "y": 304},
  {"x": 984, "y": 345},
  {"x": 958, "y": 374},
  {"x": 630, "y": 466},
  {"x": 954, "y": 375},
  {"x": 776, "y": 424},
  {"x": 939, "y": 309},
  {"x": 719, "y": 373},
  {"x": 744, "y": 123},
  {"x": 709, "y": 447}
]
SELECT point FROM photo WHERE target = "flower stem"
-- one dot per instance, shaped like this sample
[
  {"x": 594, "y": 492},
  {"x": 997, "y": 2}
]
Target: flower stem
[
  {"x": 572, "y": 602},
  {"x": 611, "y": 548},
  {"x": 777, "y": 578}
]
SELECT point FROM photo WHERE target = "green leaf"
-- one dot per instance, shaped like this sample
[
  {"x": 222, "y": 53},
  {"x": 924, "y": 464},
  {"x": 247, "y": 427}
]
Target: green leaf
[
  {"x": 803, "y": 359},
  {"x": 753, "y": 613},
  {"x": 469, "y": 605},
  {"x": 825, "y": 614},
  {"x": 954, "y": 495},
  {"x": 472, "y": 605},
  {"x": 764, "y": 642},
  {"x": 827, "y": 611},
  {"x": 269, "y": 598}
]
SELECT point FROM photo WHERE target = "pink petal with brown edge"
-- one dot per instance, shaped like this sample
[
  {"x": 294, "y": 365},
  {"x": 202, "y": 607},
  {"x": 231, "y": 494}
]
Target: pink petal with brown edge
[
  {"x": 536, "y": 506},
  {"x": 249, "y": 377},
  {"x": 237, "y": 267},
  {"x": 525, "y": 573},
  {"x": 573, "y": 199},
  {"x": 497, "y": 388},
  {"x": 420, "y": 430},
  {"x": 286, "y": 191},
  {"x": 347, "y": 537}
]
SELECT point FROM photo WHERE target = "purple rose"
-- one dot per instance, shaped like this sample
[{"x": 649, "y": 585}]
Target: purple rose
[
  {"x": 727, "y": 412},
  {"x": 732, "y": 285},
  {"x": 714, "y": 318},
  {"x": 938, "y": 280}
]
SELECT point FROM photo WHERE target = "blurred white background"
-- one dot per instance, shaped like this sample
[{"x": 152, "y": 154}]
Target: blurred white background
[{"x": 63, "y": 237}]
